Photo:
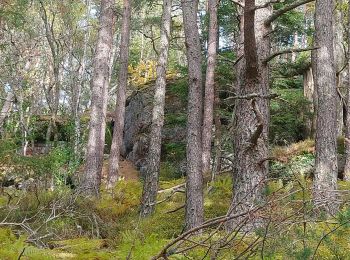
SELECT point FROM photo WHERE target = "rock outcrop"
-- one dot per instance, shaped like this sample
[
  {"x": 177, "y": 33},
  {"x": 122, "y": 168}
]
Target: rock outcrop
[{"x": 138, "y": 117}]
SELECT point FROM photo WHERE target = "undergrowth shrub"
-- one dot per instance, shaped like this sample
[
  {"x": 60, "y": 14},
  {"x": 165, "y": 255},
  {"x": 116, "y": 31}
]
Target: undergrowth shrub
[
  {"x": 13, "y": 247},
  {"x": 42, "y": 168},
  {"x": 168, "y": 171}
]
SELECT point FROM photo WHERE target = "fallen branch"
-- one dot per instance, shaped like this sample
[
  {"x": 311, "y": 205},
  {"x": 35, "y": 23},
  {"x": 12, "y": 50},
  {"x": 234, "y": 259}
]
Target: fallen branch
[
  {"x": 254, "y": 95},
  {"x": 163, "y": 253},
  {"x": 177, "y": 187},
  {"x": 176, "y": 209}
]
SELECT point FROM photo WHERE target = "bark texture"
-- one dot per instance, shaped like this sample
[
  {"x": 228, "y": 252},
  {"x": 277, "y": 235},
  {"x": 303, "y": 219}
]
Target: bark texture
[
  {"x": 339, "y": 61},
  {"x": 325, "y": 181},
  {"x": 209, "y": 85},
  {"x": 100, "y": 83},
  {"x": 119, "y": 115},
  {"x": 347, "y": 125},
  {"x": 251, "y": 118},
  {"x": 194, "y": 181},
  {"x": 310, "y": 95},
  {"x": 150, "y": 187}
]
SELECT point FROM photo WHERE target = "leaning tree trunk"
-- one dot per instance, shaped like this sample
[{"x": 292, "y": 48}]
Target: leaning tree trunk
[
  {"x": 252, "y": 114},
  {"x": 347, "y": 125},
  {"x": 194, "y": 181},
  {"x": 100, "y": 82},
  {"x": 209, "y": 85},
  {"x": 150, "y": 187},
  {"x": 119, "y": 115},
  {"x": 325, "y": 181}
]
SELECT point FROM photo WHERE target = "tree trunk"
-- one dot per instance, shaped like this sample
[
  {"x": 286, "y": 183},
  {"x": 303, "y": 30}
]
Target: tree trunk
[
  {"x": 150, "y": 188},
  {"x": 53, "y": 91},
  {"x": 217, "y": 136},
  {"x": 310, "y": 95},
  {"x": 6, "y": 107},
  {"x": 76, "y": 91},
  {"x": 339, "y": 59},
  {"x": 347, "y": 125},
  {"x": 252, "y": 116},
  {"x": 121, "y": 96},
  {"x": 209, "y": 85},
  {"x": 194, "y": 181},
  {"x": 100, "y": 82},
  {"x": 325, "y": 181},
  {"x": 295, "y": 45}
]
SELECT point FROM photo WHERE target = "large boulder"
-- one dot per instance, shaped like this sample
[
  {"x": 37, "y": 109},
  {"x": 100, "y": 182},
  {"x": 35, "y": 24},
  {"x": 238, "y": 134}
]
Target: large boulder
[{"x": 138, "y": 117}]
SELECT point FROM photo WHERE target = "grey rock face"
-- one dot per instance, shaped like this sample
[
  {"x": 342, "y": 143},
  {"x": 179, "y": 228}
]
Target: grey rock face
[{"x": 138, "y": 116}]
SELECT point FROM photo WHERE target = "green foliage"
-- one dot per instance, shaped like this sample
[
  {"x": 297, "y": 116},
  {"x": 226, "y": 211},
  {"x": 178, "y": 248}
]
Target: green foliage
[
  {"x": 289, "y": 23},
  {"x": 179, "y": 89},
  {"x": 125, "y": 197},
  {"x": 143, "y": 238},
  {"x": 175, "y": 151},
  {"x": 227, "y": 11},
  {"x": 83, "y": 248},
  {"x": 12, "y": 247},
  {"x": 288, "y": 117},
  {"x": 20, "y": 168},
  {"x": 178, "y": 119},
  {"x": 168, "y": 171},
  {"x": 299, "y": 165},
  {"x": 140, "y": 248},
  {"x": 288, "y": 74},
  {"x": 219, "y": 198},
  {"x": 14, "y": 12}
]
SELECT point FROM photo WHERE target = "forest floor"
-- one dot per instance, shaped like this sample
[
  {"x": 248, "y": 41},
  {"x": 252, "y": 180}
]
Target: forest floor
[
  {"x": 41, "y": 224},
  {"x": 127, "y": 170}
]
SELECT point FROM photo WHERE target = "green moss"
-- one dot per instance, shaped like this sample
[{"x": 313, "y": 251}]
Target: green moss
[
  {"x": 12, "y": 247},
  {"x": 218, "y": 200},
  {"x": 83, "y": 248}
]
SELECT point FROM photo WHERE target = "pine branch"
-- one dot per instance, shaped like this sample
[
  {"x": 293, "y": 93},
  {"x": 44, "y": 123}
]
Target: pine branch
[
  {"x": 267, "y": 4},
  {"x": 292, "y": 50},
  {"x": 285, "y": 9}
]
